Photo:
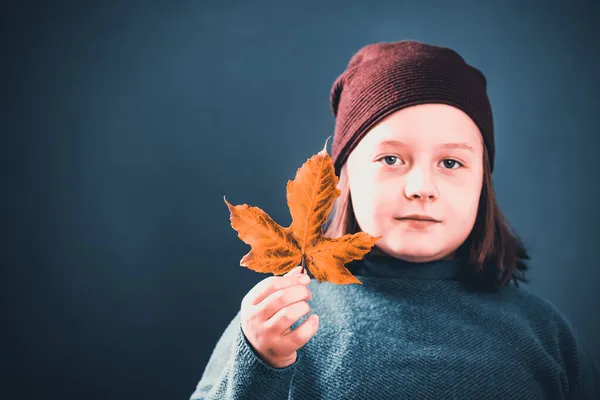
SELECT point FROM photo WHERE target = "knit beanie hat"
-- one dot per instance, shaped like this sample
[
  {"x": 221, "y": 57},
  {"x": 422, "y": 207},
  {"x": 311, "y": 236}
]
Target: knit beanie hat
[{"x": 382, "y": 78}]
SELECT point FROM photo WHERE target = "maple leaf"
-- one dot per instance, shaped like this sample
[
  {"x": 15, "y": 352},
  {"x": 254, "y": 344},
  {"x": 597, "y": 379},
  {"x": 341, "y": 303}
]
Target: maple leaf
[{"x": 310, "y": 198}]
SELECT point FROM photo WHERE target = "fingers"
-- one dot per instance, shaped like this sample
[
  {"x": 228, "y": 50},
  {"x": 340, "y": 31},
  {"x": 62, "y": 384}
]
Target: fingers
[
  {"x": 274, "y": 283},
  {"x": 293, "y": 340},
  {"x": 281, "y": 299},
  {"x": 284, "y": 318},
  {"x": 295, "y": 270}
]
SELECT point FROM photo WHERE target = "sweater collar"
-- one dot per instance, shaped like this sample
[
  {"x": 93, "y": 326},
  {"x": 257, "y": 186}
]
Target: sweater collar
[{"x": 386, "y": 266}]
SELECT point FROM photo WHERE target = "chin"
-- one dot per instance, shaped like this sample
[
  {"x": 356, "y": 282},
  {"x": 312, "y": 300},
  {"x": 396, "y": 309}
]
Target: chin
[
  {"x": 414, "y": 252},
  {"x": 417, "y": 258}
]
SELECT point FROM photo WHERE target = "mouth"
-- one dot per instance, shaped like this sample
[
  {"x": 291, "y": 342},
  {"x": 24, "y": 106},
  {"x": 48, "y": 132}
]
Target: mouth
[
  {"x": 417, "y": 220},
  {"x": 417, "y": 223},
  {"x": 423, "y": 219}
]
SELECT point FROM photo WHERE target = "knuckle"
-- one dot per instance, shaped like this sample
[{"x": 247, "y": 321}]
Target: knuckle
[
  {"x": 280, "y": 298},
  {"x": 249, "y": 321},
  {"x": 259, "y": 312},
  {"x": 267, "y": 326},
  {"x": 255, "y": 313},
  {"x": 286, "y": 314},
  {"x": 269, "y": 282}
]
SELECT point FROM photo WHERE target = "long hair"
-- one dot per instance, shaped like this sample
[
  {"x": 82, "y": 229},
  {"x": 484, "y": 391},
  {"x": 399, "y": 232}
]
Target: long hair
[{"x": 490, "y": 256}]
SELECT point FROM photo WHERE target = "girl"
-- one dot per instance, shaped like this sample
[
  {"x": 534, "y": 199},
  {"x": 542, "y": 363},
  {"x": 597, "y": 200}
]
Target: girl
[{"x": 436, "y": 315}]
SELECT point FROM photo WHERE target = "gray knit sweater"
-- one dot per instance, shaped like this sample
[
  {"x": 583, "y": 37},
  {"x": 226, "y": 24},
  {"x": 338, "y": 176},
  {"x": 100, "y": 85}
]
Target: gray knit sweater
[{"x": 412, "y": 331}]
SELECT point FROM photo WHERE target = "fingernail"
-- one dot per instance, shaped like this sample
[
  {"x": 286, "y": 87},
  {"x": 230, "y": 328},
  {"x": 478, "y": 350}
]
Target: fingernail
[{"x": 304, "y": 279}]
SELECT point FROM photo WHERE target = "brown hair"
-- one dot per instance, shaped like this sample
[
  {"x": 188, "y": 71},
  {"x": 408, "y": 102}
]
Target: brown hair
[{"x": 491, "y": 255}]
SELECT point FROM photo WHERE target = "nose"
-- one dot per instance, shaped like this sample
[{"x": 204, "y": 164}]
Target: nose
[{"x": 419, "y": 185}]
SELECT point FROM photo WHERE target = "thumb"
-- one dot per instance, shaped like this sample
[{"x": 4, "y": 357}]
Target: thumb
[{"x": 294, "y": 271}]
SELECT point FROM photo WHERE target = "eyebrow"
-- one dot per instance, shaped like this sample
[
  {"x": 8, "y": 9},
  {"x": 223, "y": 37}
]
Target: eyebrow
[{"x": 398, "y": 143}]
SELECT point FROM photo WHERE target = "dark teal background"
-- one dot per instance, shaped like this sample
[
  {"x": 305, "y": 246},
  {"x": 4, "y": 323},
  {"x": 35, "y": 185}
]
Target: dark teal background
[{"x": 124, "y": 123}]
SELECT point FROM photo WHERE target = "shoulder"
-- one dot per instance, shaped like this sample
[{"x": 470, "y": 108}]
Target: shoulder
[
  {"x": 557, "y": 333},
  {"x": 545, "y": 317},
  {"x": 537, "y": 307}
]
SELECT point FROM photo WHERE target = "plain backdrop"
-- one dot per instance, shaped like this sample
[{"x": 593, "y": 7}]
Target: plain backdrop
[{"x": 125, "y": 123}]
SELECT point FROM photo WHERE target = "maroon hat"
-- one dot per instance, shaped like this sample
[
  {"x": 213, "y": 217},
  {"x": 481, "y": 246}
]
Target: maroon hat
[{"x": 382, "y": 78}]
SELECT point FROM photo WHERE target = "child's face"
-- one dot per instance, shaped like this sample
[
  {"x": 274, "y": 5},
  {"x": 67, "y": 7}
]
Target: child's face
[{"x": 390, "y": 181}]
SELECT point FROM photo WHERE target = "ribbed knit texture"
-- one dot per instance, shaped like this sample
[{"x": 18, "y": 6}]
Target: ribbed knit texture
[
  {"x": 382, "y": 78},
  {"x": 411, "y": 331}
]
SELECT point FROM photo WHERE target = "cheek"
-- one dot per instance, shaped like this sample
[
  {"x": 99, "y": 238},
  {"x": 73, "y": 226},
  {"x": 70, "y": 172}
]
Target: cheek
[
  {"x": 363, "y": 202},
  {"x": 363, "y": 192},
  {"x": 464, "y": 207},
  {"x": 370, "y": 208}
]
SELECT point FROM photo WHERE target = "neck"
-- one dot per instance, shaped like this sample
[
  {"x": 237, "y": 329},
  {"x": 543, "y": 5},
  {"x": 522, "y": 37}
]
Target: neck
[
  {"x": 379, "y": 252},
  {"x": 378, "y": 264}
]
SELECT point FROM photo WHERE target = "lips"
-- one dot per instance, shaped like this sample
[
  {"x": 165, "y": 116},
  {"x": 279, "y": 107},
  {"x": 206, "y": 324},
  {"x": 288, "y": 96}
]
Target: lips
[
  {"x": 418, "y": 218},
  {"x": 417, "y": 223}
]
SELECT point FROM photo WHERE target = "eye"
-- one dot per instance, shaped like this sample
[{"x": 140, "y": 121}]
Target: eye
[
  {"x": 448, "y": 161},
  {"x": 387, "y": 158}
]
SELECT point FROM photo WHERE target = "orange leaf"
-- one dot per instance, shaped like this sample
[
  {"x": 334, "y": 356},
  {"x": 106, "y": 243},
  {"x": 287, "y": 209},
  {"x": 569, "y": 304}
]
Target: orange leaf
[{"x": 310, "y": 198}]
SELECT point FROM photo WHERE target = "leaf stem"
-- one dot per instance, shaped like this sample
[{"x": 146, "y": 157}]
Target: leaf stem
[{"x": 303, "y": 262}]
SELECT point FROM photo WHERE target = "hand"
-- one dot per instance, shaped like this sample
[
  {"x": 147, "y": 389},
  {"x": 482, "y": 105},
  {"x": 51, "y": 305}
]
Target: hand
[{"x": 268, "y": 311}]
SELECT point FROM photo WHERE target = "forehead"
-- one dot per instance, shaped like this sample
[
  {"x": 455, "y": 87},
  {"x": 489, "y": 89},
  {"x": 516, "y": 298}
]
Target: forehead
[{"x": 424, "y": 125}]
